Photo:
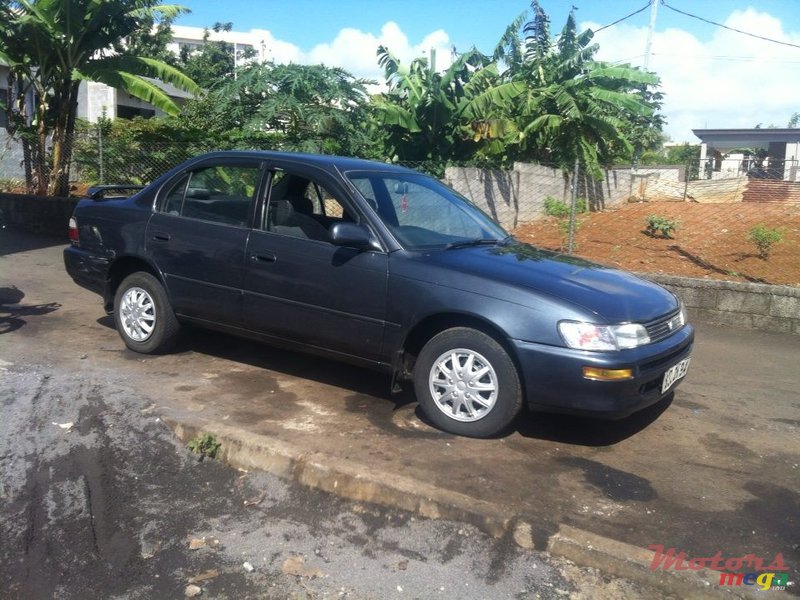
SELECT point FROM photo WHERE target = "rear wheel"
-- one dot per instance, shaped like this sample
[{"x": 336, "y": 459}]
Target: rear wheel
[
  {"x": 143, "y": 314},
  {"x": 467, "y": 384}
]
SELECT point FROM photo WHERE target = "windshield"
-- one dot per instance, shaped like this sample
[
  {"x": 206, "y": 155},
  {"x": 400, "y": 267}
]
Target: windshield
[{"x": 424, "y": 213}]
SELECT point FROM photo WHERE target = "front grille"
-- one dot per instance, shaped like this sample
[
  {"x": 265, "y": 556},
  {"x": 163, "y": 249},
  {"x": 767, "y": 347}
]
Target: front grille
[{"x": 663, "y": 327}]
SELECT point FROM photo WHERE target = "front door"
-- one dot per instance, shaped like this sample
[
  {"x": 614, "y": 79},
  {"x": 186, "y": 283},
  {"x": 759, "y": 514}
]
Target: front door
[{"x": 301, "y": 287}]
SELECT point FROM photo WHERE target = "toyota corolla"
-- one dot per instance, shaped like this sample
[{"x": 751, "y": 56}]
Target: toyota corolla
[{"x": 384, "y": 267}]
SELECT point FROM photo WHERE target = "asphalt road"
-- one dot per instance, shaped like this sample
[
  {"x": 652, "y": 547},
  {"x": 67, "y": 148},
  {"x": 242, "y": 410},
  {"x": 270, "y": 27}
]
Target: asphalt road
[
  {"x": 109, "y": 507},
  {"x": 717, "y": 470}
]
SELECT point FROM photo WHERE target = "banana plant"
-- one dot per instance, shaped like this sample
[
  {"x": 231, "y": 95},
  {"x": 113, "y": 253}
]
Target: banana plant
[
  {"x": 574, "y": 107},
  {"x": 439, "y": 116},
  {"x": 50, "y": 46}
]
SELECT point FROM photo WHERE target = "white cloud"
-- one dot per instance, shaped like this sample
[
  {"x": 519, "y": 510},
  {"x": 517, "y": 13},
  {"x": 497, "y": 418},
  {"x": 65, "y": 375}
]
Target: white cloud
[
  {"x": 731, "y": 80},
  {"x": 277, "y": 50},
  {"x": 355, "y": 50}
]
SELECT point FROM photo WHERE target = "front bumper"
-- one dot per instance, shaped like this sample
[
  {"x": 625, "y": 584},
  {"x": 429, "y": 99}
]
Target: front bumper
[{"x": 554, "y": 381}]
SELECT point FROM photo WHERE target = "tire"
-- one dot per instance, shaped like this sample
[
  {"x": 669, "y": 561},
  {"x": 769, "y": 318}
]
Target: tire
[
  {"x": 479, "y": 406},
  {"x": 143, "y": 315}
]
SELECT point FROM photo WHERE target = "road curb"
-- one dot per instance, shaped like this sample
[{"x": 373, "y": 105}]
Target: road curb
[{"x": 353, "y": 481}]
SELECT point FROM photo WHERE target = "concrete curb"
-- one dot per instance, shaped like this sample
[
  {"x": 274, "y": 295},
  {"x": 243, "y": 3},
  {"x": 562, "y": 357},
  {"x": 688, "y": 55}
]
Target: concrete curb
[{"x": 351, "y": 480}]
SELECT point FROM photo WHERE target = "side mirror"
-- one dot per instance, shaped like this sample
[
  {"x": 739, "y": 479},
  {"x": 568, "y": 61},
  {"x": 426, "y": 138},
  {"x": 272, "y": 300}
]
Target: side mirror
[{"x": 351, "y": 235}]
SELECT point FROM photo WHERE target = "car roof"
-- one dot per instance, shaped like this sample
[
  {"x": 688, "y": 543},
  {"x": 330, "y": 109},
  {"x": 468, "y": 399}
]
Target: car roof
[{"x": 342, "y": 163}]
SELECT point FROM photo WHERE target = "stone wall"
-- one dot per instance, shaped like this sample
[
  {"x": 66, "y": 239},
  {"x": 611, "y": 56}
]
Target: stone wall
[
  {"x": 737, "y": 304},
  {"x": 516, "y": 196},
  {"x": 39, "y": 214}
]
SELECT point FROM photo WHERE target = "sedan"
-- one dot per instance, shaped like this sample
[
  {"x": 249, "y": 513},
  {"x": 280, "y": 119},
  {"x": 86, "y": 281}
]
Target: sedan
[{"x": 384, "y": 267}]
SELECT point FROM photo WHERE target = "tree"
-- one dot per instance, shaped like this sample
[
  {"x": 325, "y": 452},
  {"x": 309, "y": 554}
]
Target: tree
[
  {"x": 152, "y": 40},
  {"x": 433, "y": 117},
  {"x": 573, "y": 107},
  {"x": 683, "y": 154},
  {"x": 303, "y": 108},
  {"x": 215, "y": 61},
  {"x": 51, "y": 46},
  {"x": 537, "y": 98}
]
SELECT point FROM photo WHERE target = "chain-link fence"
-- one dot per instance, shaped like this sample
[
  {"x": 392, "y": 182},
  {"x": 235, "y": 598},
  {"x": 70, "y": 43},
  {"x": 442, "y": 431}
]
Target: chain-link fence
[
  {"x": 727, "y": 219},
  {"x": 731, "y": 220},
  {"x": 719, "y": 180},
  {"x": 104, "y": 160}
]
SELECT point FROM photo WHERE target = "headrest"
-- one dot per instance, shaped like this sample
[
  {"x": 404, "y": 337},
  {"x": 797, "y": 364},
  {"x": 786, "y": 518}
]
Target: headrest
[
  {"x": 201, "y": 193},
  {"x": 282, "y": 211},
  {"x": 303, "y": 205}
]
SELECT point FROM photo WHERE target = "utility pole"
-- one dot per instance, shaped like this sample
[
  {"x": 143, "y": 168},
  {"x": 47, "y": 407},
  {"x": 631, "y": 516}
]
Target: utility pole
[{"x": 650, "y": 29}]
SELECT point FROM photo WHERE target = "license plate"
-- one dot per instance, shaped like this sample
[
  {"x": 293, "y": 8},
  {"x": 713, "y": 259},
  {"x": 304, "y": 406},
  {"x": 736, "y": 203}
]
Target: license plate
[{"x": 674, "y": 373}]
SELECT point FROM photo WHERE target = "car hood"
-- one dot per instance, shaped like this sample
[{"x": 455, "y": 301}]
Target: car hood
[{"x": 614, "y": 295}]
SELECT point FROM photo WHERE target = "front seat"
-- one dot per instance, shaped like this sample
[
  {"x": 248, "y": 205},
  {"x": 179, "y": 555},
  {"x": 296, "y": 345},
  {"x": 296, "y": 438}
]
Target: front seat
[{"x": 288, "y": 221}]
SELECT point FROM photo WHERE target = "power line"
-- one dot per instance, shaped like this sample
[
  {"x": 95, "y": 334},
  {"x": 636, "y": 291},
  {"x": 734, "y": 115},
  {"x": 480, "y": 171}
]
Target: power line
[
  {"x": 625, "y": 60},
  {"x": 760, "y": 37},
  {"x": 626, "y": 17},
  {"x": 773, "y": 59}
]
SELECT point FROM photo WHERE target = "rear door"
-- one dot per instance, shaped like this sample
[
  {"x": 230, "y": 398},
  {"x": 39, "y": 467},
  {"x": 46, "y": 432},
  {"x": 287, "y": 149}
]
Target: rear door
[
  {"x": 301, "y": 287},
  {"x": 198, "y": 235}
]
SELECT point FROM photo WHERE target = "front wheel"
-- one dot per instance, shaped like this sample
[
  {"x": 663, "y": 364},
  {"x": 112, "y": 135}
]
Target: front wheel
[
  {"x": 467, "y": 384},
  {"x": 143, "y": 314}
]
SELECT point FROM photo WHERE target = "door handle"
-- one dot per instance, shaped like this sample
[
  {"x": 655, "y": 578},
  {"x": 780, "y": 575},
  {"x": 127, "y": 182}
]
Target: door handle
[
  {"x": 162, "y": 237},
  {"x": 265, "y": 258}
]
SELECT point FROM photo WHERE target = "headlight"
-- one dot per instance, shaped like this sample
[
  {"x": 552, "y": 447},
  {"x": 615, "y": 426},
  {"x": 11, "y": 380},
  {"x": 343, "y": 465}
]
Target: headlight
[
  {"x": 684, "y": 315},
  {"x": 588, "y": 336}
]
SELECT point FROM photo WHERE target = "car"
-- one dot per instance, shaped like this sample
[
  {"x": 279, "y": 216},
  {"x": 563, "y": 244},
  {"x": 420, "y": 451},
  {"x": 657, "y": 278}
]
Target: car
[{"x": 384, "y": 267}]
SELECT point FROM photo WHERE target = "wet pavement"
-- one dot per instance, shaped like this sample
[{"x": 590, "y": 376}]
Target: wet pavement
[{"x": 717, "y": 469}]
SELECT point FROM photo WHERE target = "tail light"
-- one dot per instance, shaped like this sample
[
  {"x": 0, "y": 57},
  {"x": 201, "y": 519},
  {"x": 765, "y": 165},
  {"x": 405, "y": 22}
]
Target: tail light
[{"x": 74, "y": 236}]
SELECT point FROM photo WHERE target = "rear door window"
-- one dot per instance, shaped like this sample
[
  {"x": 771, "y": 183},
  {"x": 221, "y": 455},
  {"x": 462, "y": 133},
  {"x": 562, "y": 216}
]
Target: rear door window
[{"x": 216, "y": 193}]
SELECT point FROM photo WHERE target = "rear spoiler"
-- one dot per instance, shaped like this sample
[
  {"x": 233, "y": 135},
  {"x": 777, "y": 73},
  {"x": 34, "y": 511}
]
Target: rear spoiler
[{"x": 101, "y": 192}]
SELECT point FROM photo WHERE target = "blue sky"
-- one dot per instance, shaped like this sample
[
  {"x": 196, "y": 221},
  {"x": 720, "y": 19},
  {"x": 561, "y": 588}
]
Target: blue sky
[
  {"x": 711, "y": 77},
  {"x": 309, "y": 22}
]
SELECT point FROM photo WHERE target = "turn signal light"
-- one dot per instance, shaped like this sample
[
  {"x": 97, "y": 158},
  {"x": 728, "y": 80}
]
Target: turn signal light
[{"x": 607, "y": 374}]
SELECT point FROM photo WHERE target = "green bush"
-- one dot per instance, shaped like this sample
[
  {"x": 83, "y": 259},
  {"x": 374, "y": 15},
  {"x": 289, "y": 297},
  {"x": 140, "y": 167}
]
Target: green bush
[
  {"x": 132, "y": 150},
  {"x": 658, "y": 226},
  {"x": 764, "y": 238},
  {"x": 555, "y": 208},
  {"x": 560, "y": 209},
  {"x": 205, "y": 445}
]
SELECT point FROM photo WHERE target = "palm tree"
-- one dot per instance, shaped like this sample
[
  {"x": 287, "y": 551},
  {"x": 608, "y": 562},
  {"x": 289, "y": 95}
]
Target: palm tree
[{"x": 50, "y": 46}]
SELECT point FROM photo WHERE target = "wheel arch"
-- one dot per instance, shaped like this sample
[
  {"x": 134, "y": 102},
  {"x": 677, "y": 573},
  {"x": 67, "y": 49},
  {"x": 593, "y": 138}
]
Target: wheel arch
[
  {"x": 434, "y": 324},
  {"x": 120, "y": 269}
]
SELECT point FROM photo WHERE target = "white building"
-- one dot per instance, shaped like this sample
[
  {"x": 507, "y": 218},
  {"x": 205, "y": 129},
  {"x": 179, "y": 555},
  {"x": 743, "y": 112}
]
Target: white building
[{"x": 193, "y": 38}]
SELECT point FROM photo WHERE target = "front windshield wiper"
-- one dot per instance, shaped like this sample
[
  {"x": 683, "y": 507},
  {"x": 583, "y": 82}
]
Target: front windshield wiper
[{"x": 477, "y": 242}]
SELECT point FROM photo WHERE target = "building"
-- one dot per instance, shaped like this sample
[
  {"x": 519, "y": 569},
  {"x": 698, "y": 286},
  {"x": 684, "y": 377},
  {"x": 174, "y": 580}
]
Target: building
[
  {"x": 97, "y": 99},
  {"x": 765, "y": 153},
  {"x": 194, "y": 37}
]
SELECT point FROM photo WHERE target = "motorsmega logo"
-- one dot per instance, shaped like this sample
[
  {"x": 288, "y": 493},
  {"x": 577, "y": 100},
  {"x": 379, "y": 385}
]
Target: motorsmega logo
[{"x": 735, "y": 571}]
